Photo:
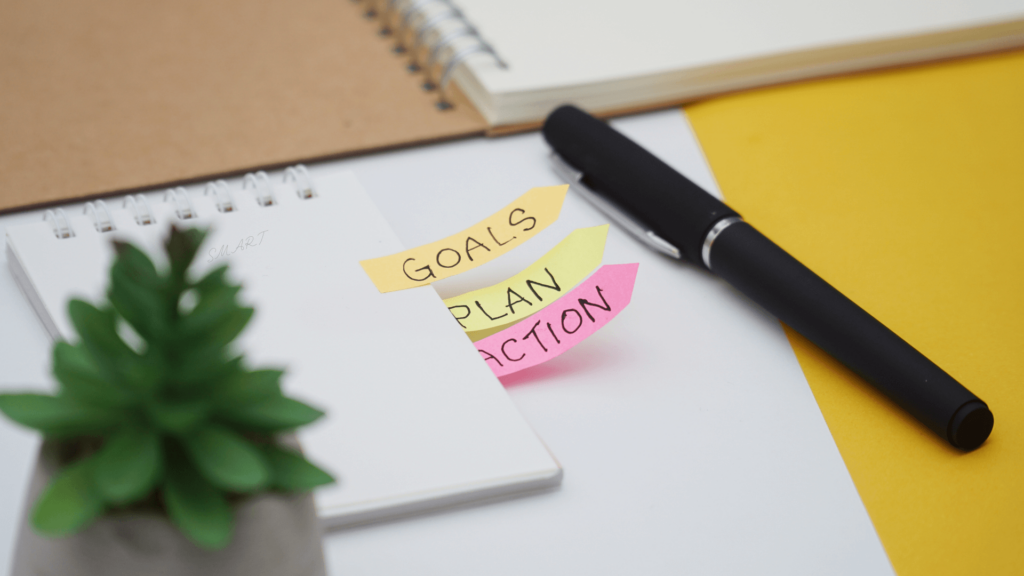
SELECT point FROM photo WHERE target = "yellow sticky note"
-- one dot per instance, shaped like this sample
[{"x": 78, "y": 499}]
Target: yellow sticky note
[
  {"x": 487, "y": 310},
  {"x": 903, "y": 189},
  {"x": 476, "y": 245}
]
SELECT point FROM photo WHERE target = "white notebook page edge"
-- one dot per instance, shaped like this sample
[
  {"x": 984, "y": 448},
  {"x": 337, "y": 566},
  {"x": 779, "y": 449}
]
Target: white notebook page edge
[{"x": 548, "y": 44}]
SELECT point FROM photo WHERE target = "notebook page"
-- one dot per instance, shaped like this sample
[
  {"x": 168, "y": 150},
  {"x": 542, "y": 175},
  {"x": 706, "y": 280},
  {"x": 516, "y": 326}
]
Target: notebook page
[
  {"x": 415, "y": 418},
  {"x": 556, "y": 44}
]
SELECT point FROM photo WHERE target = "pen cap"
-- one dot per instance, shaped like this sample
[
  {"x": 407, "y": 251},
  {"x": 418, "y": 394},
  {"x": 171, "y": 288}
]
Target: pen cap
[{"x": 650, "y": 190}]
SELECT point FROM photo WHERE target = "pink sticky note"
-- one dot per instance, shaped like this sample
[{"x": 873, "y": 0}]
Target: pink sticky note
[{"x": 563, "y": 324}]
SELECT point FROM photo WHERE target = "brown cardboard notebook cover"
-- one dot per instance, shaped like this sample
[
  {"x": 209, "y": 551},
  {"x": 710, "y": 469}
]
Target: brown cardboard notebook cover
[{"x": 112, "y": 95}]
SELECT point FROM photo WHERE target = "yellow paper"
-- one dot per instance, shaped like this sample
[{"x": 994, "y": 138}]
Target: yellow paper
[
  {"x": 476, "y": 245},
  {"x": 904, "y": 190},
  {"x": 488, "y": 310}
]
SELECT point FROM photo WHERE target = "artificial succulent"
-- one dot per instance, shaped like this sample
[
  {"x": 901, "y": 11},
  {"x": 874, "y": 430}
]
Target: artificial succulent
[{"x": 174, "y": 418}]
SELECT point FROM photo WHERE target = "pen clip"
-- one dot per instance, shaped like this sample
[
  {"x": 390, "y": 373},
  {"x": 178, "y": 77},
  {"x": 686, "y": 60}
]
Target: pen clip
[{"x": 575, "y": 179}]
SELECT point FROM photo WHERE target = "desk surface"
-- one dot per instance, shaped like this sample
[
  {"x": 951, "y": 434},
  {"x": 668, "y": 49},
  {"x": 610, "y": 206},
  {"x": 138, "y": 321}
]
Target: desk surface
[
  {"x": 904, "y": 189},
  {"x": 939, "y": 147}
]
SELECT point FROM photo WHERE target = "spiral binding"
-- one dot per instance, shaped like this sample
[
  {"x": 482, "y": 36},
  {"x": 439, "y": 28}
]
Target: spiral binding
[
  {"x": 407, "y": 14},
  {"x": 143, "y": 218},
  {"x": 425, "y": 26},
  {"x": 101, "y": 223},
  {"x": 222, "y": 195},
  {"x": 295, "y": 178},
  {"x": 299, "y": 176},
  {"x": 452, "y": 38},
  {"x": 259, "y": 182},
  {"x": 59, "y": 230},
  {"x": 178, "y": 195}
]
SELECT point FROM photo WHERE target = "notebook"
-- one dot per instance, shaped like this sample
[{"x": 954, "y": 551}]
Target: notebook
[
  {"x": 112, "y": 96},
  {"x": 415, "y": 419},
  {"x": 528, "y": 57}
]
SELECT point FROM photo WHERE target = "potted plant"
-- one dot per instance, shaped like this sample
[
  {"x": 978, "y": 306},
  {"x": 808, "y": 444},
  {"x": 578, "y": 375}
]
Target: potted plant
[{"x": 164, "y": 453}]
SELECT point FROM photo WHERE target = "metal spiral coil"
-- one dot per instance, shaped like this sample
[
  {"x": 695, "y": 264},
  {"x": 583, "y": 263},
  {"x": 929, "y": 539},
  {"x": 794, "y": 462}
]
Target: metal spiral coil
[
  {"x": 143, "y": 217},
  {"x": 259, "y": 182},
  {"x": 104, "y": 223},
  {"x": 295, "y": 179},
  {"x": 298, "y": 176},
  {"x": 436, "y": 28},
  {"x": 221, "y": 195},
  {"x": 184, "y": 209},
  {"x": 61, "y": 225}
]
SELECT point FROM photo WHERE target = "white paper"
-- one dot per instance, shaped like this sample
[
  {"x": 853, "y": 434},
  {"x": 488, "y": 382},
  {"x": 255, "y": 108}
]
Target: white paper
[{"x": 690, "y": 439}]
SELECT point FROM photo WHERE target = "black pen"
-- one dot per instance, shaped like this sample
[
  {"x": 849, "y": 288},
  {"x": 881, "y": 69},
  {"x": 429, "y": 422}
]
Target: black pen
[{"x": 673, "y": 215}]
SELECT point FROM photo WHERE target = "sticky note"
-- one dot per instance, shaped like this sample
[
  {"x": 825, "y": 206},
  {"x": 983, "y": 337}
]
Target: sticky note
[
  {"x": 487, "y": 310},
  {"x": 563, "y": 324},
  {"x": 476, "y": 245}
]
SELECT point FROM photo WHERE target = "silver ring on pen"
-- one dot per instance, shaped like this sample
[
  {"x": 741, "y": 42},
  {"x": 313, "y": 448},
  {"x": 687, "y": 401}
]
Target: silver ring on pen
[{"x": 716, "y": 230}]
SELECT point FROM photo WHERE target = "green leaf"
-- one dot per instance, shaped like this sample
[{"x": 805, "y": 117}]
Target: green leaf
[
  {"x": 213, "y": 308},
  {"x": 182, "y": 246},
  {"x": 128, "y": 465},
  {"x": 143, "y": 373},
  {"x": 138, "y": 267},
  {"x": 226, "y": 459},
  {"x": 290, "y": 471},
  {"x": 98, "y": 331},
  {"x": 247, "y": 387},
  {"x": 177, "y": 417},
  {"x": 69, "y": 503},
  {"x": 216, "y": 299},
  {"x": 115, "y": 360},
  {"x": 198, "y": 509},
  {"x": 271, "y": 415},
  {"x": 213, "y": 279},
  {"x": 218, "y": 335},
  {"x": 203, "y": 369},
  {"x": 58, "y": 416},
  {"x": 140, "y": 306},
  {"x": 81, "y": 379},
  {"x": 195, "y": 365}
]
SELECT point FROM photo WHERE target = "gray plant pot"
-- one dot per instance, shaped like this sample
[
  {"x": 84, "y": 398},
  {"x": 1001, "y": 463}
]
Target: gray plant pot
[{"x": 275, "y": 535}]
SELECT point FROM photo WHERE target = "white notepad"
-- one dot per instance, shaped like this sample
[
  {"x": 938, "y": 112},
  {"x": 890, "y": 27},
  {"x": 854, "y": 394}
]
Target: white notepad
[{"x": 415, "y": 419}]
